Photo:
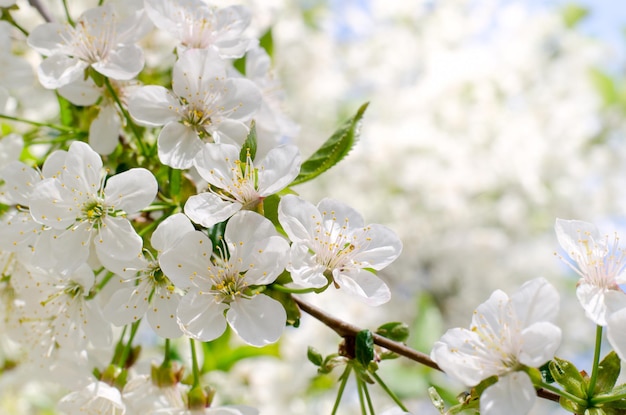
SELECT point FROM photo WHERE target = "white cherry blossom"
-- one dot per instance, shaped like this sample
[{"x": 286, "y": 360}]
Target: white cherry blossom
[
  {"x": 506, "y": 334},
  {"x": 94, "y": 399},
  {"x": 78, "y": 203},
  {"x": 235, "y": 185},
  {"x": 196, "y": 25},
  {"x": 331, "y": 243},
  {"x": 600, "y": 266},
  {"x": 99, "y": 39},
  {"x": 204, "y": 105},
  {"x": 219, "y": 285}
]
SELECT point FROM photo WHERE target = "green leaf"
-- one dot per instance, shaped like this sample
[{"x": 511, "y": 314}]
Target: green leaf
[
  {"x": 573, "y": 14},
  {"x": 249, "y": 146},
  {"x": 568, "y": 376},
  {"x": 333, "y": 150},
  {"x": 608, "y": 372},
  {"x": 220, "y": 355},
  {"x": 314, "y": 356},
  {"x": 364, "y": 347},
  {"x": 395, "y": 331},
  {"x": 266, "y": 41},
  {"x": 605, "y": 85}
]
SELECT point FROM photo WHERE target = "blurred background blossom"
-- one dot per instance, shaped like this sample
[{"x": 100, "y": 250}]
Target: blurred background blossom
[{"x": 487, "y": 121}]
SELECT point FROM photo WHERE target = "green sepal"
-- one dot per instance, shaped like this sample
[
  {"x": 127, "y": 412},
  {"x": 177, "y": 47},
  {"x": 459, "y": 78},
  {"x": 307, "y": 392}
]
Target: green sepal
[
  {"x": 567, "y": 375},
  {"x": 364, "y": 347},
  {"x": 595, "y": 411},
  {"x": 608, "y": 372},
  {"x": 395, "y": 330},
  {"x": 333, "y": 150},
  {"x": 314, "y": 356},
  {"x": 571, "y": 406},
  {"x": 249, "y": 146},
  {"x": 97, "y": 77},
  {"x": 330, "y": 362}
]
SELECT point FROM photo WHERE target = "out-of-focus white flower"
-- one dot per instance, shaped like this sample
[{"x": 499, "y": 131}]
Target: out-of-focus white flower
[
  {"x": 78, "y": 203},
  {"x": 273, "y": 126},
  {"x": 219, "y": 285},
  {"x": 238, "y": 185},
  {"x": 99, "y": 39},
  {"x": 601, "y": 268},
  {"x": 197, "y": 25},
  {"x": 94, "y": 399},
  {"x": 205, "y": 105},
  {"x": 506, "y": 334},
  {"x": 332, "y": 243}
]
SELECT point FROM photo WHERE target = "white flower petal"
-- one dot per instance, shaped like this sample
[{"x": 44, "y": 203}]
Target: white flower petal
[
  {"x": 258, "y": 321},
  {"x": 513, "y": 394},
  {"x": 460, "y": 354},
  {"x": 595, "y": 300},
  {"x": 537, "y": 300},
  {"x": 153, "y": 105},
  {"x": 118, "y": 239},
  {"x": 82, "y": 92},
  {"x": 131, "y": 190},
  {"x": 539, "y": 343},
  {"x": 59, "y": 70},
  {"x": 104, "y": 130},
  {"x": 201, "y": 317},
  {"x": 122, "y": 63},
  {"x": 47, "y": 38},
  {"x": 215, "y": 162},
  {"x": 187, "y": 259},
  {"x": 278, "y": 169},
  {"x": 616, "y": 332},
  {"x": 207, "y": 209},
  {"x": 178, "y": 145},
  {"x": 162, "y": 313},
  {"x": 128, "y": 304},
  {"x": 298, "y": 218},
  {"x": 197, "y": 71},
  {"x": 170, "y": 231},
  {"x": 379, "y": 246},
  {"x": 363, "y": 285}
]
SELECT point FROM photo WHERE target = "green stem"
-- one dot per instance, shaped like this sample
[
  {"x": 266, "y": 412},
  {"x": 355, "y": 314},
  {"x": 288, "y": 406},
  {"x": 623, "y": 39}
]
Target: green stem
[
  {"x": 388, "y": 391},
  {"x": 596, "y": 362},
  {"x": 288, "y": 290},
  {"x": 582, "y": 402},
  {"x": 67, "y": 13},
  {"x": 194, "y": 364},
  {"x": 7, "y": 16},
  {"x": 38, "y": 124},
  {"x": 344, "y": 379},
  {"x": 597, "y": 400},
  {"x": 359, "y": 384},
  {"x": 166, "y": 354},
  {"x": 124, "y": 356},
  {"x": 129, "y": 120},
  {"x": 367, "y": 397},
  {"x": 102, "y": 283}
]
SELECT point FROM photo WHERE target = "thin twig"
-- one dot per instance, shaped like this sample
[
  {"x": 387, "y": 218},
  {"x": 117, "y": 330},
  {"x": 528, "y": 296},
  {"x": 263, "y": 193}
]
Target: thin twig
[
  {"x": 345, "y": 329},
  {"x": 42, "y": 10}
]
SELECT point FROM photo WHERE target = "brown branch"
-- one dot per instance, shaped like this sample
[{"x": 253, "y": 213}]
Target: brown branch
[{"x": 345, "y": 329}]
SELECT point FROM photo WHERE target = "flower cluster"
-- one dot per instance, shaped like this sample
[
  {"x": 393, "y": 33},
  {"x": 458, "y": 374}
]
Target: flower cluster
[{"x": 164, "y": 198}]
